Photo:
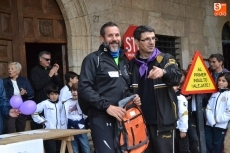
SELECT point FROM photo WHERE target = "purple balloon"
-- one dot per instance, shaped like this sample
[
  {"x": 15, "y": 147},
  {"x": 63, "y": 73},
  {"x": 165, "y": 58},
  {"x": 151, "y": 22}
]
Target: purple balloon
[
  {"x": 16, "y": 101},
  {"x": 28, "y": 107}
]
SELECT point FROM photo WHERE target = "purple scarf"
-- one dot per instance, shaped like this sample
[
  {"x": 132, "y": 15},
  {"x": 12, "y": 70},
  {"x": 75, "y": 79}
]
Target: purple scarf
[{"x": 143, "y": 69}]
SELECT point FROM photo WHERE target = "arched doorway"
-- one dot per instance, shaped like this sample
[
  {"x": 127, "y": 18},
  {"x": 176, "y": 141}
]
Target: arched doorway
[
  {"x": 28, "y": 27},
  {"x": 226, "y": 44}
]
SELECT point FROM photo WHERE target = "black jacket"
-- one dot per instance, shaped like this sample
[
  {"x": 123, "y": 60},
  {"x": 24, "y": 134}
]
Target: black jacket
[
  {"x": 97, "y": 85},
  {"x": 164, "y": 96},
  {"x": 22, "y": 82},
  {"x": 40, "y": 80},
  {"x": 4, "y": 106}
]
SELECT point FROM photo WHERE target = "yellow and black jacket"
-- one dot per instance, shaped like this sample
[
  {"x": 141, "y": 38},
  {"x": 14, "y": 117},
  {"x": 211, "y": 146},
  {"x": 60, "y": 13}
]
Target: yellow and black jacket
[{"x": 159, "y": 101}]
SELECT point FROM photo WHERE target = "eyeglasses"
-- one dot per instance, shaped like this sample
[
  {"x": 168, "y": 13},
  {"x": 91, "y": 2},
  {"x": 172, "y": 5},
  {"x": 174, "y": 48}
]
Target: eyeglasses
[
  {"x": 47, "y": 59},
  {"x": 149, "y": 39}
]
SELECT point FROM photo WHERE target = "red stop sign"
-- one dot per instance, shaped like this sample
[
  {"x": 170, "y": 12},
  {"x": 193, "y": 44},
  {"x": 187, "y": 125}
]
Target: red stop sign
[{"x": 129, "y": 43}]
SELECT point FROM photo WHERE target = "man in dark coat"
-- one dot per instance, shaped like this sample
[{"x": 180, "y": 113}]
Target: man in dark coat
[
  {"x": 153, "y": 75},
  {"x": 104, "y": 80},
  {"x": 42, "y": 76}
]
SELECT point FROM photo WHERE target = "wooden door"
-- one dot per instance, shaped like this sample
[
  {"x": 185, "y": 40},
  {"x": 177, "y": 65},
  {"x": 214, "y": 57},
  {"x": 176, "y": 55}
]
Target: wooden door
[
  {"x": 28, "y": 21},
  {"x": 5, "y": 56},
  {"x": 9, "y": 37}
]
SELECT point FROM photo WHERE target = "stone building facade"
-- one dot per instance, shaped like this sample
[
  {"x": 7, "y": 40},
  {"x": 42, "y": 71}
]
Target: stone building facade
[{"x": 191, "y": 21}]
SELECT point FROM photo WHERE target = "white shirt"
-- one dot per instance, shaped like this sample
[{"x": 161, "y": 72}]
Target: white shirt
[
  {"x": 54, "y": 116},
  {"x": 73, "y": 111},
  {"x": 65, "y": 94},
  {"x": 182, "y": 123},
  {"x": 16, "y": 89},
  {"x": 193, "y": 103},
  {"x": 218, "y": 110}
]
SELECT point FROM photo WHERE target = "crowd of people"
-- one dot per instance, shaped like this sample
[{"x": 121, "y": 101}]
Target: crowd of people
[
  {"x": 107, "y": 77},
  {"x": 53, "y": 111}
]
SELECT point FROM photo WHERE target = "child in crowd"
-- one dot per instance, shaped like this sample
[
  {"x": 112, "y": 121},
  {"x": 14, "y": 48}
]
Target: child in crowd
[
  {"x": 76, "y": 120},
  {"x": 54, "y": 117},
  {"x": 192, "y": 132},
  {"x": 65, "y": 93},
  {"x": 182, "y": 143},
  {"x": 218, "y": 115}
]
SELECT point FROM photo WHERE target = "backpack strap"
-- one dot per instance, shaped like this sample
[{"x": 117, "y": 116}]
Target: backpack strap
[
  {"x": 100, "y": 67},
  {"x": 100, "y": 62}
]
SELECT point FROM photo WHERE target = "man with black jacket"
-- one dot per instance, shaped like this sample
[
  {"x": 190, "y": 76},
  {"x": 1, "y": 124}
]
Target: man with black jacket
[
  {"x": 153, "y": 75},
  {"x": 42, "y": 76},
  {"x": 103, "y": 82}
]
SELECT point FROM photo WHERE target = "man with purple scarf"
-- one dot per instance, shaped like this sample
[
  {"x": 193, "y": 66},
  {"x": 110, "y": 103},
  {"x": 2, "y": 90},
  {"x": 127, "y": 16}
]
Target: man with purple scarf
[{"x": 153, "y": 75}]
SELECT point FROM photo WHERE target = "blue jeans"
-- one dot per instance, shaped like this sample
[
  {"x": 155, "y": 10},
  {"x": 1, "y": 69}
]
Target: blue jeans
[
  {"x": 79, "y": 140},
  {"x": 214, "y": 137}
]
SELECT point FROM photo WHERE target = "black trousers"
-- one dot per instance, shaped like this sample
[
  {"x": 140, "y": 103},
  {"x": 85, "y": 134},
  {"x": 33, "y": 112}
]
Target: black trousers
[
  {"x": 52, "y": 146},
  {"x": 102, "y": 132},
  {"x": 16, "y": 124},
  {"x": 181, "y": 144},
  {"x": 161, "y": 142},
  {"x": 193, "y": 135}
]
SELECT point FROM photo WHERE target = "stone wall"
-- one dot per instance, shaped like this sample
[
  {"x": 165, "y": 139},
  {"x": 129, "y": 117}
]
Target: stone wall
[{"x": 191, "y": 20}]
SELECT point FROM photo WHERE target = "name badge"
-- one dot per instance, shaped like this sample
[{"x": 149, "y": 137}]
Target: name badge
[{"x": 113, "y": 74}]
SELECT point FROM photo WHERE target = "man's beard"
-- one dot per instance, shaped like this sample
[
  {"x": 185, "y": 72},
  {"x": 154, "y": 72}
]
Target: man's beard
[{"x": 113, "y": 49}]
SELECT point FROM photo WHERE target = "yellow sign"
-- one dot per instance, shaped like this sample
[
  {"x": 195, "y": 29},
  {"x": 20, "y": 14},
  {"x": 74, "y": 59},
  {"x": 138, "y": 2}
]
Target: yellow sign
[{"x": 198, "y": 79}]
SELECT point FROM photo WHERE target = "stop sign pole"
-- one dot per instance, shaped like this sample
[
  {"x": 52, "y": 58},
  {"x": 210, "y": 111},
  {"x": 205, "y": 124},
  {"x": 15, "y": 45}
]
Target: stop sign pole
[{"x": 129, "y": 44}]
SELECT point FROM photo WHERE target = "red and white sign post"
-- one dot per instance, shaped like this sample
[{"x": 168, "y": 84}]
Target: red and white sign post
[{"x": 129, "y": 43}]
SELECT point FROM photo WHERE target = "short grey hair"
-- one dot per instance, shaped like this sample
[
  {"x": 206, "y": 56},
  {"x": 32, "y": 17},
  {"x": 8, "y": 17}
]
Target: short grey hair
[
  {"x": 43, "y": 53},
  {"x": 17, "y": 65}
]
